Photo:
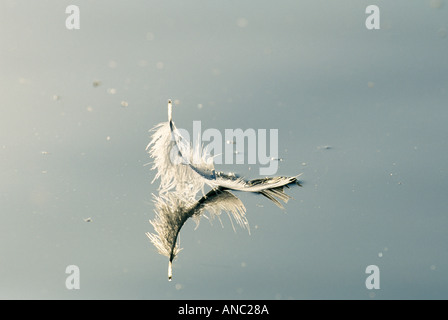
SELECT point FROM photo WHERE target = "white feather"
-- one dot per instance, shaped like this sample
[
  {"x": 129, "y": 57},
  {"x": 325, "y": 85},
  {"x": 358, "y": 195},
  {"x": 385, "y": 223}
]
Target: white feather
[
  {"x": 183, "y": 171},
  {"x": 188, "y": 169}
]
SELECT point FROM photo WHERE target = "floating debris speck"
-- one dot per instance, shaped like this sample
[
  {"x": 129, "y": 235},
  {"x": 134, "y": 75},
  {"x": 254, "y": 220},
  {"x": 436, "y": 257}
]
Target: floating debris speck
[
  {"x": 150, "y": 36},
  {"x": 436, "y": 4},
  {"x": 242, "y": 23},
  {"x": 23, "y": 80},
  {"x": 112, "y": 64},
  {"x": 96, "y": 83},
  {"x": 143, "y": 63}
]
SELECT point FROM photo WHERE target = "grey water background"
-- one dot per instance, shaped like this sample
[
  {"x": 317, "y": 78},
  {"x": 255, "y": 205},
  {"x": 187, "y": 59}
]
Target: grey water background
[{"x": 361, "y": 113}]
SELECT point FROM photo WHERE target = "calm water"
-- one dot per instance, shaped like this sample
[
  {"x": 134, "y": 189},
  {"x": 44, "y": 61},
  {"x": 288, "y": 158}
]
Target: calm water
[{"x": 361, "y": 113}]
